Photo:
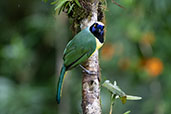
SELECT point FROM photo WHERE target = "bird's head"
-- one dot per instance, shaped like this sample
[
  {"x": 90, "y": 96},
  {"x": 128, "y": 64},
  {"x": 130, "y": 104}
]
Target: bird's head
[{"x": 97, "y": 29}]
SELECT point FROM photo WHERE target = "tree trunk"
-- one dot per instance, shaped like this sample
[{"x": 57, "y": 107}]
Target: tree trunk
[
  {"x": 91, "y": 83},
  {"x": 89, "y": 12},
  {"x": 91, "y": 87}
]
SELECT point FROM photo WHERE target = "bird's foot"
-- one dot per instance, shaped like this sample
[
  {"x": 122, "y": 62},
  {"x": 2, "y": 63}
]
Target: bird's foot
[{"x": 87, "y": 71}]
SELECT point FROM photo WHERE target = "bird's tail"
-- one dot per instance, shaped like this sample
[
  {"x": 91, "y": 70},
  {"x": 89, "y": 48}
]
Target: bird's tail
[{"x": 60, "y": 84}]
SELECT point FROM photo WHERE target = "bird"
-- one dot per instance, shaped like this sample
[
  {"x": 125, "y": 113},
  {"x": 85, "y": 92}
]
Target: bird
[{"x": 78, "y": 50}]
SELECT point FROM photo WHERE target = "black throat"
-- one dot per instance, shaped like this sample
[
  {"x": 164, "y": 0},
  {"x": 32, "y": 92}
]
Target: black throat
[{"x": 98, "y": 35}]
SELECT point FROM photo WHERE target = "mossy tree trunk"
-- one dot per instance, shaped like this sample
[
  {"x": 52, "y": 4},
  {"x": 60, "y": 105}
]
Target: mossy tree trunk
[
  {"x": 91, "y": 83},
  {"x": 89, "y": 12},
  {"x": 91, "y": 87}
]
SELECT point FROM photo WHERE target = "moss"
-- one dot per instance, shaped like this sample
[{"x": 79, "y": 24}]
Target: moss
[{"x": 77, "y": 14}]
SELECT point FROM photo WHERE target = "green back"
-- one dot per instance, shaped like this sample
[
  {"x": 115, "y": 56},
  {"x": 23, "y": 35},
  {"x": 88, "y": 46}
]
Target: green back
[{"x": 79, "y": 49}]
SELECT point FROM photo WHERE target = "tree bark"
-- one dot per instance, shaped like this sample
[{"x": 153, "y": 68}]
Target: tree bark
[
  {"x": 91, "y": 83},
  {"x": 84, "y": 16},
  {"x": 91, "y": 87}
]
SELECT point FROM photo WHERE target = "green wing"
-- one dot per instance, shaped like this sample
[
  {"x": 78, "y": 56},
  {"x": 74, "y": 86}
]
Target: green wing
[{"x": 79, "y": 49}]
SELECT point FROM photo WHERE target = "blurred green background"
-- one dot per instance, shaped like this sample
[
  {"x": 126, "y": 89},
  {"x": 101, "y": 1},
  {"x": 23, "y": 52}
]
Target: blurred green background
[{"x": 136, "y": 54}]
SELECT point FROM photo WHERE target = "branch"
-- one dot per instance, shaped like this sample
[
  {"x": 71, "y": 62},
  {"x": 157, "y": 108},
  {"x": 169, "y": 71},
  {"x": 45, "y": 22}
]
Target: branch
[
  {"x": 91, "y": 87},
  {"x": 118, "y": 4},
  {"x": 91, "y": 83}
]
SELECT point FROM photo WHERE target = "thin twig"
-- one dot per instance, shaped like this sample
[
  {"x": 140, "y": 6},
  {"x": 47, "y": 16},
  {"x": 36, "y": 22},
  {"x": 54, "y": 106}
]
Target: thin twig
[
  {"x": 112, "y": 100},
  {"x": 111, "y": 105},
  {"x": 118, "y": 4}
]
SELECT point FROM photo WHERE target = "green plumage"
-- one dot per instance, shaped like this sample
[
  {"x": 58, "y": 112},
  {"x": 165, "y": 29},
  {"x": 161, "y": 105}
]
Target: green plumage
[{"x": 78, "y": 50}]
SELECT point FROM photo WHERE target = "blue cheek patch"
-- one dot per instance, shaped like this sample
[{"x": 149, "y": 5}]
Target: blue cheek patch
[
  {"x": 101, "y": 33},
  {"x": 93, "y": 29},
  {"x": 100, "y": 27}
]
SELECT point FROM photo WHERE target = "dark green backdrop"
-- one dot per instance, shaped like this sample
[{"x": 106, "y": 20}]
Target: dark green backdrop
[{"x": 136, "y": 54}]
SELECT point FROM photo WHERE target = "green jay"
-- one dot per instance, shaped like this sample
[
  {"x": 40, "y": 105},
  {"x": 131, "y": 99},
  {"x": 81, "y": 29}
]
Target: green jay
[{"x": 79, "y": 49}]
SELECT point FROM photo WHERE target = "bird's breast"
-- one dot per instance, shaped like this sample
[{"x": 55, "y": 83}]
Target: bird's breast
[{"x": 98, "y": 44}]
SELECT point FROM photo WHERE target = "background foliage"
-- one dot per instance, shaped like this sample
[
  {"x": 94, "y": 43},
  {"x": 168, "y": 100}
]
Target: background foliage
[{"x": 136, "y": 54}]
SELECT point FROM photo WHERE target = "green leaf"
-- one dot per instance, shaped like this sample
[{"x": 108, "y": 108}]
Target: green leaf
[
  {"x": 54, "y": 2},
  {"x": 62, "y": 8},
  {"x": 127, "y": 112},
  {"x": 118, "y": 93},
  {"x": 113, "y": 88},
  {"x": 66, "y": 5},
  {"x": 70, "y": 8},
  {"x": 113, "y": 97},
  {"x": 77, "y": 2},
  {"x": 130, "y": 97},
  {"x": 60, "y": 4}
]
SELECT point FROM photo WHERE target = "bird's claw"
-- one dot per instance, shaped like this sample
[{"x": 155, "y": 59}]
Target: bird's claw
[{"x": 87, "y": 71}]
